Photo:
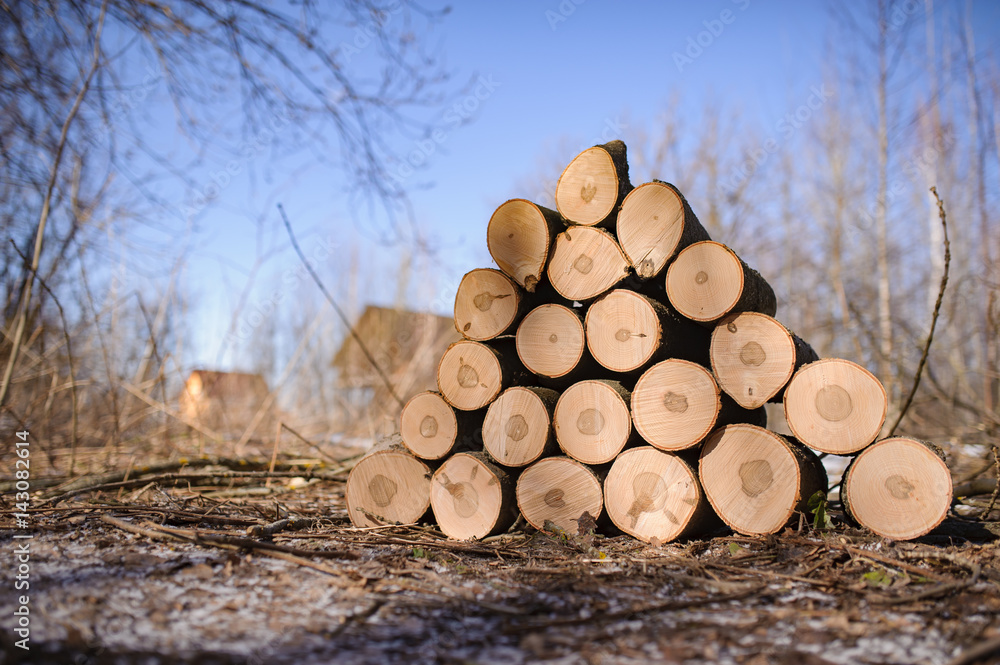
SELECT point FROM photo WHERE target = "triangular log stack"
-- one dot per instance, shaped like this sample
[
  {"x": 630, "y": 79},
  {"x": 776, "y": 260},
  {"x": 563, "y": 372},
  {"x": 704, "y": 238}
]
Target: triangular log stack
[{"x": 614, "y": 371}]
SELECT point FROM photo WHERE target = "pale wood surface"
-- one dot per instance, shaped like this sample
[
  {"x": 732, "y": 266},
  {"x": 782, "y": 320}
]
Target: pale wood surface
[
  {"x": 550, "y": 340},
  {"x": 593, "y": 185},
  {"x": 708, "y": 280},
  {"x": 623, "y": 330},
  {"x": 675, "y": 404},
  {"x": 469, "y": 375},
  {"x": 756, "y": 479},
  {"x": 592, "y": 421},
  {"x": 900, "y": 488},
  {"x": 835, "y": 406},
  {"x": 651, "y": 494},
  {"x": 517, "y": 429},
  {"x": 487, "y": 304},
  {"x": 472, "y": 498},
  {"x": 428, "y": 426},
  {"x": 386, "y": 487},
  {"x": 654, "y": 223},
  {"x": 585, "y": 263},
  {"x": 558, "y": 490},
  {"x": 754, "y": 357},
  {"x": 519, "y": 238}
]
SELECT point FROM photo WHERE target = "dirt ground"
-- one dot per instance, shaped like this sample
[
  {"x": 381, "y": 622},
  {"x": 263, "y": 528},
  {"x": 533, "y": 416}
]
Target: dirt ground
[{"x": 161, "y": 568}]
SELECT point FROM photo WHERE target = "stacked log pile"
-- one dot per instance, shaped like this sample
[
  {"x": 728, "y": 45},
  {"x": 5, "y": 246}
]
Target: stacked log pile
[{"x": 615, "y": 368}]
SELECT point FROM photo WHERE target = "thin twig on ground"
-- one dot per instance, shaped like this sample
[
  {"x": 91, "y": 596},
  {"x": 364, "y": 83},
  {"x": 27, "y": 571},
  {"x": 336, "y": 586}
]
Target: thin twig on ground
[{"x": 176, "y": 477}]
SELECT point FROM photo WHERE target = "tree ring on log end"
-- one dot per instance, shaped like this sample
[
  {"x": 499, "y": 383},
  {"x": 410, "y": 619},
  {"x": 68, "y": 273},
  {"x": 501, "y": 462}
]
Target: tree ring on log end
[
  {"x": 650, "y": 224},
  {"x": 587, "y": 190},
  {"x": 382, "y": 490},
  {"x": 623, "y": 330},
  {"x": 464, "y": 496},
  {"x": 388, "y": 486},
  {"x": 753, "y": 357},
  {"x": 517, "y": 427},
  {"x": 835, "y": 406},
  {"x": 551, "y": 340},
  {"x": 675, "y": 404},
  {"x": 584, "y": 264},
  {"x": 652, "y": 495},
  {"x": 428, "y": 427},
  {"x": 519, "y": 237},
  {"x": 471, "y": 498},
  {"x": 705, "y": 282},
  {"x": 558, "y": 490},
  {"x": 753, "y": 354},
  {"x": 487, "y": 304},
  {"x": 591, "y": 421},
  {"x": 469, "y": 375},
  {"x": 756, "y": 476},
  {"x": 554, "y": 498},
  {"x": 833, "y": 403},
  {"x": 900, "y": 488}
]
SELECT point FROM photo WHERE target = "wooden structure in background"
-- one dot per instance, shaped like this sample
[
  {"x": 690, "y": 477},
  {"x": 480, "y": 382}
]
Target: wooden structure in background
[
  {"x": 407, "y": 345},
  {"x": 225, "y": 402}
]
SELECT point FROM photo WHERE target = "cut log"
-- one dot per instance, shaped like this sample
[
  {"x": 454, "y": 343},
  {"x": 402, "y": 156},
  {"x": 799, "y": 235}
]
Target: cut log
[
  {"x": 593, "y": 186},
  {"x": 835, "y": 406},
  {"x": 676, "y": 404},
  {"x": 431, "y": 429},
  {"x": 517, "y": 429},
  {"x": 757, "y": 480},
  {"x": 708, "y": 280},
  {"x": 471, "y": 374},
  {"x": 654, "y": 223},
  {"x": 488, "y": 304},
  {"x": 388, "y": 486},
  {"x": 558, "y": 491},
  {"x": 472, "y": 497},
  {"x": 654, "y": 495},
  {"x": 900, "y": 488},
  {"x": 550, "y": 340},
  {"x": 585, "y": 263},
  {"x": 592, "y": 422},
  {"x": 627, "y": 331},
  {"x": 754, "y": 357},
  {"x": 519, "y": 238}
]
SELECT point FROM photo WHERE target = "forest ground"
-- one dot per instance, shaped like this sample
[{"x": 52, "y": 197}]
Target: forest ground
[{"x": 170, "y": 566}]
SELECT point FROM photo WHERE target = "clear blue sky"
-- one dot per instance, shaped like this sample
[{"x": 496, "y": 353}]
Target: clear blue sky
[{"x": 557, "y": 78}]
